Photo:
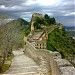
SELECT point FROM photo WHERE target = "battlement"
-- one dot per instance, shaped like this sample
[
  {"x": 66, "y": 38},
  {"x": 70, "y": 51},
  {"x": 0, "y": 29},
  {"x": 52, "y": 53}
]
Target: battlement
[
  {"x": 51, "y": 63},
  {"x": 35, "y": 15}
]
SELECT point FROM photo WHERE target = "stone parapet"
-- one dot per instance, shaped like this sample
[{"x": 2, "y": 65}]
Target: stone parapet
[{"x": 51, "y": 63}]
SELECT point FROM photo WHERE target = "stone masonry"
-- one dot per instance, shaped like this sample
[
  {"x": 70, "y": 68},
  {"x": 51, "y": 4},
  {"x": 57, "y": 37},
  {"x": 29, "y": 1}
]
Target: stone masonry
[
  {"x": 22, "y": 65},
  {"x": 51, "y": 63}
]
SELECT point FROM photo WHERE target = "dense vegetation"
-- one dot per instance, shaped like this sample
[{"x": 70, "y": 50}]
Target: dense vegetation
[
  {"x": 46, "y": 20},
  {"x": 58, "y": 40},
  {"x": 71, "y": 33},
  {"x": 27, "y": 30},
  {"x": 11, "y": 37}
]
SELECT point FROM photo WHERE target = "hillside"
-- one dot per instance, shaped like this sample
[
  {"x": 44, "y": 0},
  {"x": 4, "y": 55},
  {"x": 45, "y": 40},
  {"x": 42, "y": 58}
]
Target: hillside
[
  {"x": 15, "y": 28},
  {"x": 72, "y": 28},
  {"x": 11, "y": 37},
  {"x": 3, "y": 16},
  {"x": 39, "y": 22},
  {"x": 13, "y": 32},
  {"x": 58, "y": 40},
  {"x": 5, "y": 19}
]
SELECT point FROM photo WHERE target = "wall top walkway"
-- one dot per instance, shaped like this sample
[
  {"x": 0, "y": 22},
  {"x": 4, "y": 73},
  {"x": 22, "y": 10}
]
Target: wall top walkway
[{"x": 53, "y": 62}]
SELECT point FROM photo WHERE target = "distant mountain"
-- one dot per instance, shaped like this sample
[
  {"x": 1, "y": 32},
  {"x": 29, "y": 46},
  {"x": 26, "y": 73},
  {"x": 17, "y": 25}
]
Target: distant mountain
[
  {"x": 23, "y": 21},
  {"x": 70, "y": 31},
  {"x": 72, "y": 28}
]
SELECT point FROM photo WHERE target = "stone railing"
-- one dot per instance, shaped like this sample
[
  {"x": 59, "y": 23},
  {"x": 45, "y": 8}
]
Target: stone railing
[{"x": 51, "y": 63}]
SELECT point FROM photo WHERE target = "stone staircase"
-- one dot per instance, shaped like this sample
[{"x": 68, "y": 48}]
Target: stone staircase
[{"x": 22, "y": 65}]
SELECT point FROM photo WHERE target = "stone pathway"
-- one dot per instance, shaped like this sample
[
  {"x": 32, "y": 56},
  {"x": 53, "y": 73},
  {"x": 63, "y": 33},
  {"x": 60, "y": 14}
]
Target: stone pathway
[{"x": 22, "y": 65}]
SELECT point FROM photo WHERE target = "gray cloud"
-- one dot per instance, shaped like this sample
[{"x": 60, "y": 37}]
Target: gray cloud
[
  {"x": 11, "y": 2},
  {"x": 63, "y": 11}
]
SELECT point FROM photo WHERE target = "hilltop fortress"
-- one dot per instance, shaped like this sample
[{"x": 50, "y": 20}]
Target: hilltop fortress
[
  {"x": 51, "y": 63},
  {"x": 37, "y": 37}
]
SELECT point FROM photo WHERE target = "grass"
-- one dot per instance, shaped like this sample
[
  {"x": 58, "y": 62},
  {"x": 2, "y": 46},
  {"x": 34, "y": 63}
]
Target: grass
[{"x": 7, "y": 65}]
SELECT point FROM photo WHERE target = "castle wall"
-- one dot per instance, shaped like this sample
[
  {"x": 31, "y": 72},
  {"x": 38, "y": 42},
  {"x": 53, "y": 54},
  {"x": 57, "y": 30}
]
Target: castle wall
[{"x": 51, "y": 63}]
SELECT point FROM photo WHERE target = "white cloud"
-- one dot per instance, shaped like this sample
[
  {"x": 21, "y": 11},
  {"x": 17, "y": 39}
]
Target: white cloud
[
  {"x": 50, "y": 14},
  {"x": 2, "y": 7},
  {"x": 27, "y": 19},
  {"x": 29, "y": 2},
  {"x": 43, "y": 2},
  {"x": 25, "y": 8},
  {"x": 70, "y": 14},
  {"x": 68, "y": 3},
  {"x": 25, "y": 15},
  {"x": 48, "y": 2},
  {"x": 16, "y": 7}
]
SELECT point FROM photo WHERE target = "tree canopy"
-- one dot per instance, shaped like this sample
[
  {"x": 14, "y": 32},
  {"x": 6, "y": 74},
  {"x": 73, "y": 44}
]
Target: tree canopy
[
  {"x": 49, "y": 20},
  {"x": 46, "y": 20}
]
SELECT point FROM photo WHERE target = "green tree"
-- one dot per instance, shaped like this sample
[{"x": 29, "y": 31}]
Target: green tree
[
  {"x": 36, "y": 25},
  {"x": 49, "y": 20},
  {"x": 46, "y": 17},
  {"x": 27, "y": 31},
  {"x": 52, "y": 21}
]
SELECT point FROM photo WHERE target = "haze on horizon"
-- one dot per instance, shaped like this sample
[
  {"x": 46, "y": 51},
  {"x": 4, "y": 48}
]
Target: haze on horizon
[{"x": 62, "y": 10}]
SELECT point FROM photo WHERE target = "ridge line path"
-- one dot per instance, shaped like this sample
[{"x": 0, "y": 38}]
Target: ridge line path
[{"x": 22, "y": 65}]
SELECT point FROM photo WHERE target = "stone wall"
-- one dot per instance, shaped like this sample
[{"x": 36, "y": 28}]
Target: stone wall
[
  {"x": 39, "y": 15},
  {"x": 51, "y": 63}
]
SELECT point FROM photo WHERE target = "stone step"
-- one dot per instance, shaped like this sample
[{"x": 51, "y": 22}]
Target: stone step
[
  {"x": 27, "y": 73},
  {"x": 15, "y": 61},
  {"x": 22, "y": 65},
  {"x": 22, "y": 70},
  {"x": 22, "y": 59}
]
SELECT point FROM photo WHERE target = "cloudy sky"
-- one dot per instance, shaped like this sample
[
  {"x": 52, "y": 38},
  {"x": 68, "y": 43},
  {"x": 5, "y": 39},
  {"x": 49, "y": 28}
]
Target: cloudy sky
[{"x": 62, "y": 10}]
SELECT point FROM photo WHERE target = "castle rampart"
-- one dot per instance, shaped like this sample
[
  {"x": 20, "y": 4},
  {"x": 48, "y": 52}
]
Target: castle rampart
[{"x": 51, "y": 63}]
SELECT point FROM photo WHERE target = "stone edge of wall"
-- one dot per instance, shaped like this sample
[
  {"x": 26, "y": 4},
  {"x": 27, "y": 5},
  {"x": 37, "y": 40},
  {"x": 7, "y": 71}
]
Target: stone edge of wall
[{"x": 49, "y": 61}]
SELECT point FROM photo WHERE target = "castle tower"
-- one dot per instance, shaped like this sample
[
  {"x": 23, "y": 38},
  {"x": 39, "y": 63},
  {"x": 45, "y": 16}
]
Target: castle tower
[{"x": 32, "y": 27}]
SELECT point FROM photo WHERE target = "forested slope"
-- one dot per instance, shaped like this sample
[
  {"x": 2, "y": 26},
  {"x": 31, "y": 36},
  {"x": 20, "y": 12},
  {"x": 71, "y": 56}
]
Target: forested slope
[{"x": 58, "y": 40}]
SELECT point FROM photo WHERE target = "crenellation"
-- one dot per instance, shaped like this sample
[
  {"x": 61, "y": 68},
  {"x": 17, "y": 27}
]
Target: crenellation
[{"x": 36, "y": 15}]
